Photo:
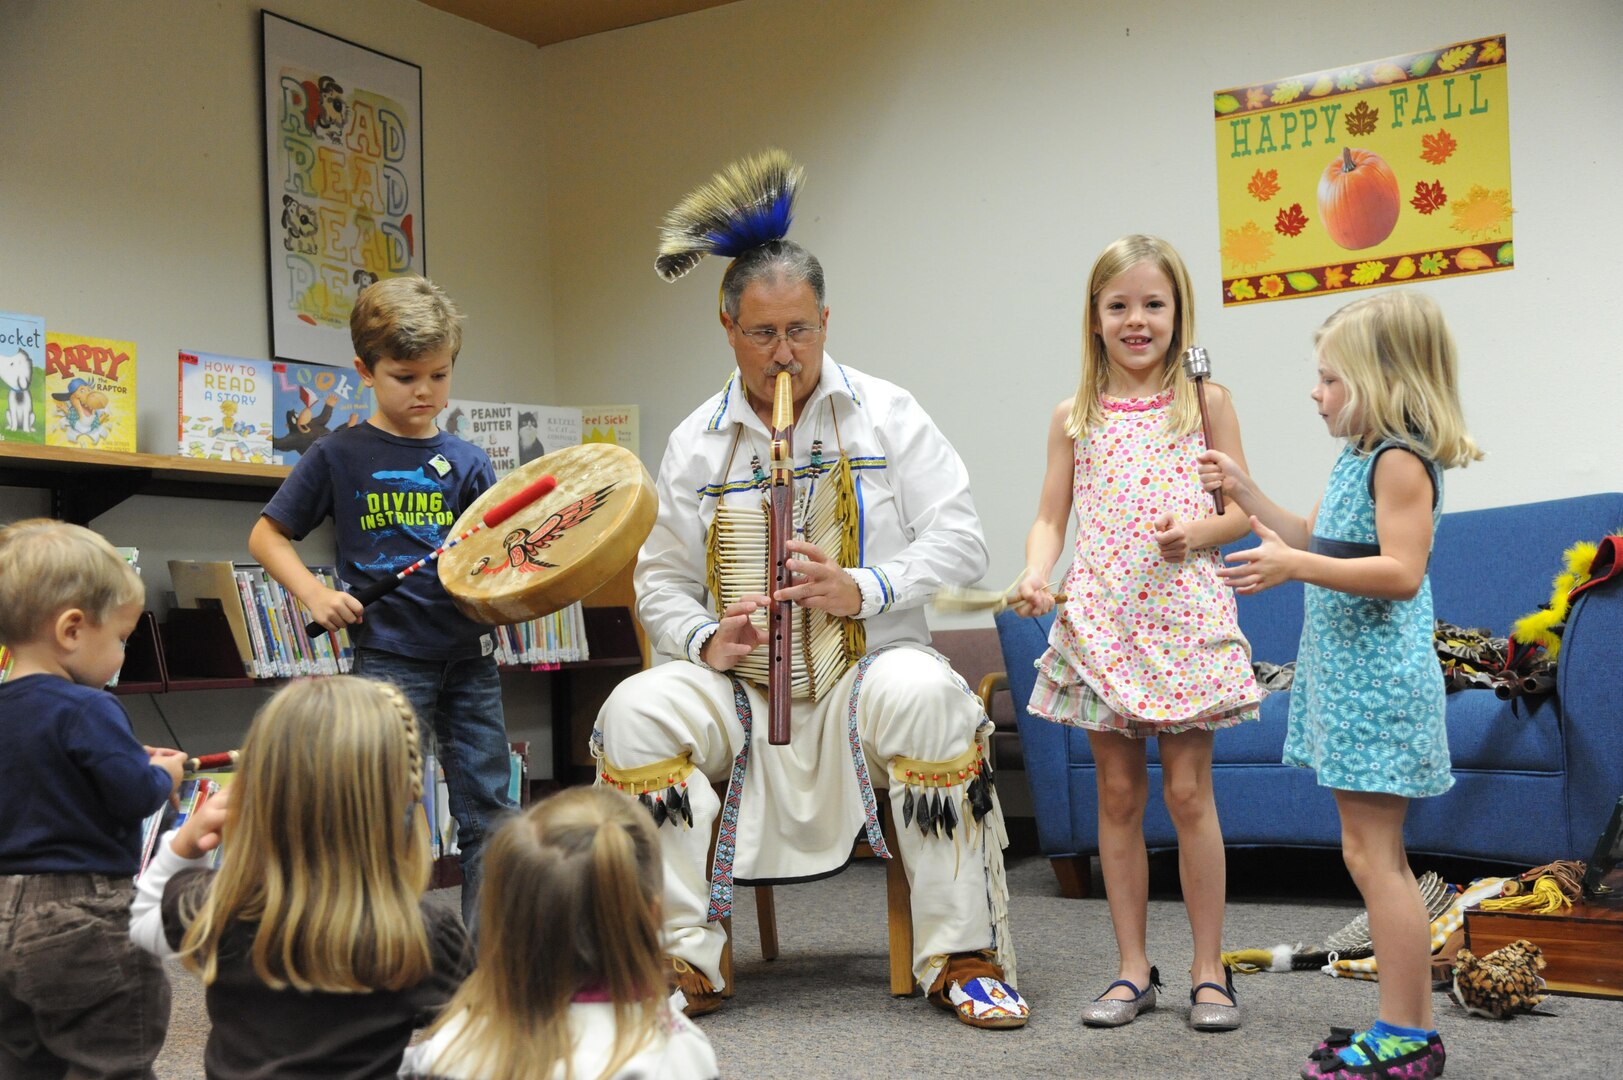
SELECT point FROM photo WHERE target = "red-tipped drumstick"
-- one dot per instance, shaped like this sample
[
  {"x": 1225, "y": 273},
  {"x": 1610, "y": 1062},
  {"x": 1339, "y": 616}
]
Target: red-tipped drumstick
[
  {"x": 204, "y": 762},
  {"x": 492, "y": 518}
]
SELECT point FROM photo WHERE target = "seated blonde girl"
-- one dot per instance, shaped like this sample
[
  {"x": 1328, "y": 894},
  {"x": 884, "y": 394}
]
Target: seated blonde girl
[{"x": 313, "y": 939}]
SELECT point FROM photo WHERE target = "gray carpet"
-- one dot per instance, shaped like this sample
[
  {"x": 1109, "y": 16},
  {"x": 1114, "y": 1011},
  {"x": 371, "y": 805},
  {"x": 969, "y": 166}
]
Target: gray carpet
[{"x": 791, "y": 1017}]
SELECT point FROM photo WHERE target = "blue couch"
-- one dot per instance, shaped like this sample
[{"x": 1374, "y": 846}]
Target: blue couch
[{"x": 1534, "y": 779}]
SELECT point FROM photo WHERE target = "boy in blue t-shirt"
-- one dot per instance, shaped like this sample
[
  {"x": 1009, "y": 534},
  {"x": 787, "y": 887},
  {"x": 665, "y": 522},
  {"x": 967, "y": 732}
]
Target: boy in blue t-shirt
[
  {"x": 76, "y": 995},
  {"x": 393, "y": 487}
]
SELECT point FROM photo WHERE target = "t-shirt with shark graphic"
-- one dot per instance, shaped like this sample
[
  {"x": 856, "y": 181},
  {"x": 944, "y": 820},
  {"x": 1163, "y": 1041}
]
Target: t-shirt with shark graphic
[{"x": 392, "y": 501}]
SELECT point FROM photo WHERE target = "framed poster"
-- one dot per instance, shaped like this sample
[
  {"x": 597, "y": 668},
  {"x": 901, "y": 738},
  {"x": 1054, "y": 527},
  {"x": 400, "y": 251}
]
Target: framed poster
[{"x": 343, "y": 182}]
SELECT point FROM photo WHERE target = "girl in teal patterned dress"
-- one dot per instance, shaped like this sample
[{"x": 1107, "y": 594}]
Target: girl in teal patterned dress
[{"x": 1367, "y": 705}]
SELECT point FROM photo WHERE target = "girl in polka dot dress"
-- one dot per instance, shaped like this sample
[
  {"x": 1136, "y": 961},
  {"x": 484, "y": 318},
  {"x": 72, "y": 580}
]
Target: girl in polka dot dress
[
  {"x": 1146, "y": 643},
  {"x": 1367, "y": 709}
]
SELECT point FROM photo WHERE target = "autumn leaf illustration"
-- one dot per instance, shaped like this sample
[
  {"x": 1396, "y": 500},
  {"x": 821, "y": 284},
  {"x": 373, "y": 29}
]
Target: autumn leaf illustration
[
  {"x": 1481, "y": 212},
  {"x": 1286, "y": 92},
  {"x": 1471, "y": 259},
  {"x": 1290, "y": 222},
  {"x": 1248, "y": 245},
  {"x": 1437, "y": 148},
  {"x": 1351, "y": 79},
  {"x": 1361, "y": 121},
  {"x": 1271, "y": 285},
  {"x": 1433, "y": 264},
  {"x": 1256, "y": 97},
  {"x": 1456, "y": 57},
  {"x": 1334, "y": 277},
  {"x": 1388, "y": 73},
  {"x": 1367, "y": 273},
  {"x": 1264, "y": 185},
  {"x": 1492, "y": 52},
  {"x": 1422, "y": 64},
  {"x": 1242, "y": 290},
  {"x": 1428, "y": 197},
  {"x": 1404, "y": 269}
]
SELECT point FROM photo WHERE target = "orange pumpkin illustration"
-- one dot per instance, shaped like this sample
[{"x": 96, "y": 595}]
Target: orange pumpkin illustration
[{"x": 1358, "y": 199}]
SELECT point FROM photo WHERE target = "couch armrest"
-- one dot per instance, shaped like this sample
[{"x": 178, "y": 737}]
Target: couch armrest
[{"x": 1589, "y": 685}]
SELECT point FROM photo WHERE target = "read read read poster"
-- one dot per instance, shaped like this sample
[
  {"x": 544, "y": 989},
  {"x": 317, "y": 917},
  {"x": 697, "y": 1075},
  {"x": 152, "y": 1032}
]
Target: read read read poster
[{"x": 1373, "y": 174}]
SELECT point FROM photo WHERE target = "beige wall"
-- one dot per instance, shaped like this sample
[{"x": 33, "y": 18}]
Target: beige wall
[{"x": 966, "y": 161}]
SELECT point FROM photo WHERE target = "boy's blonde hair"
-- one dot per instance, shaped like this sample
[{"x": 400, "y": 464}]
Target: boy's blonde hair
[
  {"x": 1395, "y": 354},
  {"x": 577, "y": 880},
  {"x": 404, "y": 318},
  {"x": 49, "y": 566},
  {"x": 1119, "y": 257},
  {"x": 325, "y": 846}
]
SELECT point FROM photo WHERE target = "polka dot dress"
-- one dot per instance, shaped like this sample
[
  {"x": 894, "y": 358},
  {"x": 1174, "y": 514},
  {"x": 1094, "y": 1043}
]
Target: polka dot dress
[{"x": 1156, "y": 642}]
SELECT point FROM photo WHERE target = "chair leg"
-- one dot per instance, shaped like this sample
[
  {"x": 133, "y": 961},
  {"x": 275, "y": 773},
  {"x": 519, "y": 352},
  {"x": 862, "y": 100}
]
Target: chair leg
[
  {"x": 899, "y": 916},
  {"x": 1075, "y": 873},
  {"x": 766, "y": 917},
  {"x": 727, "y": 957}
]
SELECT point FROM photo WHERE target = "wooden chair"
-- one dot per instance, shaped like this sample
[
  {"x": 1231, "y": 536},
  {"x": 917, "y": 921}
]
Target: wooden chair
[{"x": 898, "y": 904}]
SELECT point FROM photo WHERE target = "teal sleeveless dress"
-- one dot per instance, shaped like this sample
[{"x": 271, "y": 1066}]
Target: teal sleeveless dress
[{"x": 1367, "y": 705}]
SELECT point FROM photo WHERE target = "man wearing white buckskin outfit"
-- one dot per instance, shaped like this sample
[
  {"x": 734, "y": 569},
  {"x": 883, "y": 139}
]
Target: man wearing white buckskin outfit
[{"x": 791, "y": 812}]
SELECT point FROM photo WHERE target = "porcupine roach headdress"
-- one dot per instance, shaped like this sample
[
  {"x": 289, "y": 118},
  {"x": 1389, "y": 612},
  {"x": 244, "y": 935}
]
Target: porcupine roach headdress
[{"x": 745, "y": 205}]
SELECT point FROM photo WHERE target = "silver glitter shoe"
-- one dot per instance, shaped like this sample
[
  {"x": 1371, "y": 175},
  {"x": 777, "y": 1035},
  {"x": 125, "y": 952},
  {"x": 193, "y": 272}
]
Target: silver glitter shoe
[
  {"x": 1114, "y": 1012},
  {"x": 1210, "y": 1016}
]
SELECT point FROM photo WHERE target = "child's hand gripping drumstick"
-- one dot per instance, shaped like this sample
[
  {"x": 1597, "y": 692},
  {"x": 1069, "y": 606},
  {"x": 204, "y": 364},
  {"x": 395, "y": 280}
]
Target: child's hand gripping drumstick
[{"x": 492, "y": 518}]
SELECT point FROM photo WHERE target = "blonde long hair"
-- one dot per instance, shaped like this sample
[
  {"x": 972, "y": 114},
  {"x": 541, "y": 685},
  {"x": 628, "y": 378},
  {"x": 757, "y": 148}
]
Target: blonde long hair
[
  {"x": 325, "y": 847},
  {"x": 1120, "y": 256},
  {"x": 576, "y": 880},
  {"x": 1397, "y": 357}
]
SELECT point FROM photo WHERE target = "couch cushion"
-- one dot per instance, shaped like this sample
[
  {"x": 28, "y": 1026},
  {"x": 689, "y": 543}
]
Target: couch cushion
[
  {"x": 1503, "y": 736},
  {"x": 1488, "y": 569},
  {"x": 1491, "y": 567}
]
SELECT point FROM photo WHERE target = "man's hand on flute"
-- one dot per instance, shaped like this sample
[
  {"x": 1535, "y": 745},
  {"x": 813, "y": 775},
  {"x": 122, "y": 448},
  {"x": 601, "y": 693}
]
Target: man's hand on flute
[
  {"x": 820, "y": 582},
  {"x": 736, "y": 636}
]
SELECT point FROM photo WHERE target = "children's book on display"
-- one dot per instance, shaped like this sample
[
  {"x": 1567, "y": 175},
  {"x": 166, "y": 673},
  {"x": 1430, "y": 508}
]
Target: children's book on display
[
  {"x": 512, "y": 434},
  {"x": 89, "y": 392},
  {"x": 22, "y": 376},
  {"x": 266, "y": 411}
]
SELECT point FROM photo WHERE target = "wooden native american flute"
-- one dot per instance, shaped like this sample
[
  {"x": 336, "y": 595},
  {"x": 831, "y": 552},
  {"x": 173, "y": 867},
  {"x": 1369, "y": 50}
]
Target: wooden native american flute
[{"x": 781, "y": 525}]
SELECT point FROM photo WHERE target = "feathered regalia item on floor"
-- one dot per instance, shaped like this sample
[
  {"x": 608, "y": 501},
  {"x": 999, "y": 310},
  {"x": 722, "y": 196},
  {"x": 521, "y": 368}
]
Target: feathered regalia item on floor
[
  {"x": 747, "y": 204},
  {"x": 1351, "y": 942}
]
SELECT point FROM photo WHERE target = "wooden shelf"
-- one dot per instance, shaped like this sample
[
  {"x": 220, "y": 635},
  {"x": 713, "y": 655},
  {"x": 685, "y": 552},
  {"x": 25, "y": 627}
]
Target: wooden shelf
[{"x": 85, "y": 484}]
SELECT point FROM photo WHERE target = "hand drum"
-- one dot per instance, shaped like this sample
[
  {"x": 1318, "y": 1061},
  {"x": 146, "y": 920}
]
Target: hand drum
[{"x": 560, "y": 548}]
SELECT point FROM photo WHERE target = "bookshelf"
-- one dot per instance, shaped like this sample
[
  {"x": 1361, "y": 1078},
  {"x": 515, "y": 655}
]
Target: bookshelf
[
  {"x": 192, "y": 649},
  {"x": 84, "y": 484}
]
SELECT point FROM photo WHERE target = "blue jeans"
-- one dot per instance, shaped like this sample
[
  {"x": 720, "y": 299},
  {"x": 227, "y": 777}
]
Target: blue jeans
[{"x": 460, "y": 703}]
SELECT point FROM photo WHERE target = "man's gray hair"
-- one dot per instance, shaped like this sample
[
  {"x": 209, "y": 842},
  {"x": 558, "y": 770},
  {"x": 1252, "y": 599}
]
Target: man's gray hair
[{"x": 778, "y": 260}]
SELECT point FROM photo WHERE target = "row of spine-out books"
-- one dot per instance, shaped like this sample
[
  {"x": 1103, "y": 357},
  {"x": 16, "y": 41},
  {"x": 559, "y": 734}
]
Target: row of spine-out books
[
  {"x": 267, "y": 622},
  {"x": 192, "y": 791},
  {"x": 437, "y": 799},
  {"x": 559, "y": 638}
]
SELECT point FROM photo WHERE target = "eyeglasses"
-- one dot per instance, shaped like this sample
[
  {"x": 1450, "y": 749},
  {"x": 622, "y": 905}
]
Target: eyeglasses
[{"x": 796, "y": 336}]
